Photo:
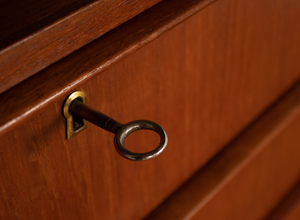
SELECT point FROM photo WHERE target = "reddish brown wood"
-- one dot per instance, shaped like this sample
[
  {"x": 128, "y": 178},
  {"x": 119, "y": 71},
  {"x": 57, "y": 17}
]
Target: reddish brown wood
[
  {"x": 64, "y": 76},
  {"x": 289, "y": 208},
  {"x": 204, "y": 81},
  {"x": 20, "y": 19},
  {"x": 247, "y": 178},
  {"x": 35, "y": 34}
]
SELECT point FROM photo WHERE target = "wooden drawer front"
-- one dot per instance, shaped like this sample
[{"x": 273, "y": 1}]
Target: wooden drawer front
[
  {"x": 202, "y": 86},
  {"x": 289, "y": 207},
  {"x": 250, "y": 176}
]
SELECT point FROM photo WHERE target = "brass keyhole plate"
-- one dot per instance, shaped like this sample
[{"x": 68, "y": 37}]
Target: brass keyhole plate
[{"x": 74, "y": 123}]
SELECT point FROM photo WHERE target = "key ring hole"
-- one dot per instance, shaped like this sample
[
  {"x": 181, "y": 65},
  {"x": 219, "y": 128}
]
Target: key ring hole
[{"x": 142, "y": 141}]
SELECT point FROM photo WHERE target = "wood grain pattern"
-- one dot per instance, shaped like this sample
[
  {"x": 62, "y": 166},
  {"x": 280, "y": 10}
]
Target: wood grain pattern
[
  {"x": 65, "y": 75},
  {"x": 289, "y": 208},
  {"x": 19, "y": 20},
  {"x": 35, "y": 34},
  {"x": 203, "y": 99},
  {"x": 248, "y": 177}
]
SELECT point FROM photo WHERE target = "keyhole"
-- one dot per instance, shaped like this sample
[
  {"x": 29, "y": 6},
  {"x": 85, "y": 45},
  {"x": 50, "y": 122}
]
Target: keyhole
[{"x": 77, "y": 121}]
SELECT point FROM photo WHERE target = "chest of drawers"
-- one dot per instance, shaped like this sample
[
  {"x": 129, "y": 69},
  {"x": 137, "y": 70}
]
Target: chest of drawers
[{"x": 222, "y": 82}]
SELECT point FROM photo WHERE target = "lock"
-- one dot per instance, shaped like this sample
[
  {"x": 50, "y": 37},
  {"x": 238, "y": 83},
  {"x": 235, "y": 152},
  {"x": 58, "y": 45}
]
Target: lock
[{"x": 74, "y": 123}]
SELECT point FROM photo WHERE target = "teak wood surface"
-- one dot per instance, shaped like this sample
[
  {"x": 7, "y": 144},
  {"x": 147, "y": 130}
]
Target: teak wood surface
[
  {"x": 204, "y": 81},
  {"x": 63, "y": 76},
  {"x": 289, "y": 207},
  {"x": 247, "y": 178},
  {"x": 35, "y": 34}
]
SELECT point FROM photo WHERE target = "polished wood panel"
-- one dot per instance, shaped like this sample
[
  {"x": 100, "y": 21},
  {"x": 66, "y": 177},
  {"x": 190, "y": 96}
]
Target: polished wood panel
[
  {"x": 248, "y": 177},
  {"x": 35, "y": 34},
  {"x": 63, "y": 77},
  {"x": 289, "y": 208},
  {"x": 19, "y": 19},
  {"x": 203, "y": 99}
]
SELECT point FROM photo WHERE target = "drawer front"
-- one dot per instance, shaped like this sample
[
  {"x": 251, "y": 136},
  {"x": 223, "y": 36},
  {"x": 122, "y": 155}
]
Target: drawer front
[
  {"x": 289, "y": 207},
  {"x": 204, "y": 81},
  {"x": 248, "y": 177}
]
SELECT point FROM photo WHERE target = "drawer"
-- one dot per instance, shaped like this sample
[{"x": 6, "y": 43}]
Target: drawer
[
  {"x": 250, "y": 176},
  {"x": 289, "y": 207},
  {"x": 204, "y": 82}
]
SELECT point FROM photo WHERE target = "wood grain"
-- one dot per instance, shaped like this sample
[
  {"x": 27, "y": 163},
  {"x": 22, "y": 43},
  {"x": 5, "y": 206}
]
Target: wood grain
[
  {"x": 248, "y": 177},
  {"x": 19, "y": 20},
  {"x": 289, "y": 207},
  {"x": 204, "y": 81},
  {"x": 65, "y": 75},
  {"x": 35, "y": 34}
]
